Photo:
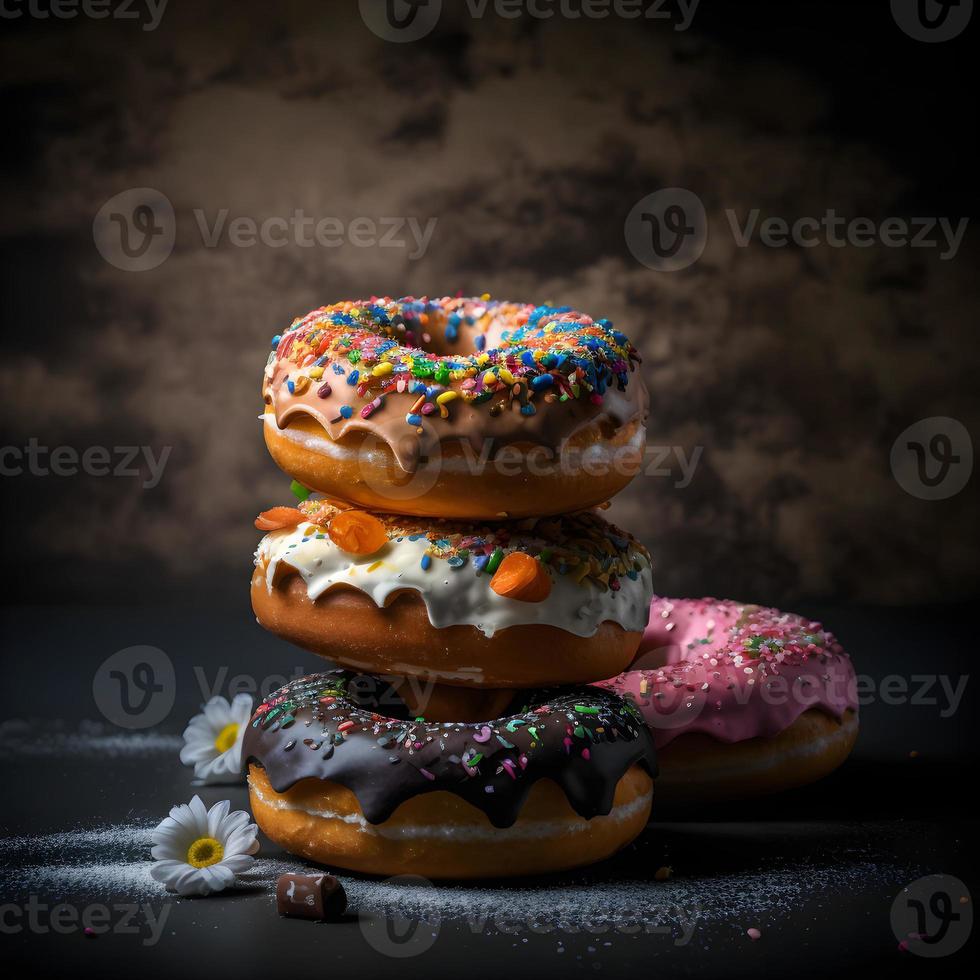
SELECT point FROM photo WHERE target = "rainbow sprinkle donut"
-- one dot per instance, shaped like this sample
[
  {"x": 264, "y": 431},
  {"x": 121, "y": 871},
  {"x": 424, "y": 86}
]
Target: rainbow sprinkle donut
[{"x": 443, "y": 385}]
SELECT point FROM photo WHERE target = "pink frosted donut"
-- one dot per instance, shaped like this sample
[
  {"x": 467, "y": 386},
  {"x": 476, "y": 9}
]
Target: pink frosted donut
[{"x": 741, "y": 699}]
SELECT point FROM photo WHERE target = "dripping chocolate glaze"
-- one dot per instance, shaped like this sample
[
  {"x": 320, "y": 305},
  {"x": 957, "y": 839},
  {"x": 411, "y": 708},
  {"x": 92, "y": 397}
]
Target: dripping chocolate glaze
[
  {"x": 551, "y": 426},
  {"x": 583, "y": 738}
]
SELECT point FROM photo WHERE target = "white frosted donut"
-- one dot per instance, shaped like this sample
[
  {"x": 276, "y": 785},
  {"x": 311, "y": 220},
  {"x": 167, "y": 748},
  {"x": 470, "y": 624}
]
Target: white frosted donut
[{"x": 519, "y": 604}]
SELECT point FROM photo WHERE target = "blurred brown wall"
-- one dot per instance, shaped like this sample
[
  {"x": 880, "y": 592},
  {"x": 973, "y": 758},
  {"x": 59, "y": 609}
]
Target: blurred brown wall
[{"x": 790, "y": 371}]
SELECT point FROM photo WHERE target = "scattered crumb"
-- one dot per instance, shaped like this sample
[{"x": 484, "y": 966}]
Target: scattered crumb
[
  {"x": 114, "y": 861},
  {"x": 19, "y": 737}
]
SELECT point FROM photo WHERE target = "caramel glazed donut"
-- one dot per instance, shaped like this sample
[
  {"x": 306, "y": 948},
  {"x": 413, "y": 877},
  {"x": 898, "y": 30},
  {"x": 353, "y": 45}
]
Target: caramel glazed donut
[
  {"x": 456, "y": 407},
  {"x": 564, "y": 780},
  {"x": 741, "y": 700},
  {"x": 522, "y": 604}
]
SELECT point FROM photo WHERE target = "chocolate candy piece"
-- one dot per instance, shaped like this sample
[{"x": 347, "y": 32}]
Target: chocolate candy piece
[{"x": 320, "y": 897}]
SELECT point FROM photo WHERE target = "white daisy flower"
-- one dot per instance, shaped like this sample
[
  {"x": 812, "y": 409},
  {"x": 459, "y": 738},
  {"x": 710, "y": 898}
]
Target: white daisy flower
[
  {"x": 199, "y": 851},
  {"x": 213, "y": 739}
]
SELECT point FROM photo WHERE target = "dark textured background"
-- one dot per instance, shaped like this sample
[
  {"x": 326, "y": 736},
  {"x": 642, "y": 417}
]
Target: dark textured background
[{"x": 529, "y": 141}]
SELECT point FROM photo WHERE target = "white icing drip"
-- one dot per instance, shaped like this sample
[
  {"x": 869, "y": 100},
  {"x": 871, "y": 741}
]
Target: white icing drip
[
  {"x": 455, "y": 596},
  {"x": 522, "y": 830}
]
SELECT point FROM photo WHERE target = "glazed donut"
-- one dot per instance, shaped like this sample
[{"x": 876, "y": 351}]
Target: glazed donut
[
  {"x": 565, "y": 780},
  {"x": 741, "y": 699},
  {"x": 521, "y": 604},
  {"x": 456, "y": 407}
]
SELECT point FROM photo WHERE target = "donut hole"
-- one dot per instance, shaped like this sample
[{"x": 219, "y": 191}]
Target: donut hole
[{"x": 441, "y": 341}]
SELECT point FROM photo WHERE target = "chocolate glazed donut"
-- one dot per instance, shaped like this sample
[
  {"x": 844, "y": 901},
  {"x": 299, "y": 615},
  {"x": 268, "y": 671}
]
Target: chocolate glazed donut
[{"x": 563, "y": 780}]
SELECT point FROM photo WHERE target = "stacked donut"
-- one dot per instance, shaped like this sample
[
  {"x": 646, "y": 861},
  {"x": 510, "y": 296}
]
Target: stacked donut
[
  {"x": 741, "y": 699},
  {"x": 445, "y": 555}
]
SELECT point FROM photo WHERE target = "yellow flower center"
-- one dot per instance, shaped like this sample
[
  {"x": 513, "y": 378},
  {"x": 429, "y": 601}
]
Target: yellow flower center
[
  {"x": 205, "y": 851},
  {"x": 226, "y": 737}
]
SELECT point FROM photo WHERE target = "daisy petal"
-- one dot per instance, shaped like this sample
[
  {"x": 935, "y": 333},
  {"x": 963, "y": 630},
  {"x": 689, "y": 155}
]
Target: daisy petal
[
  {"x": 217, "y": 877},
  {"x": 218, "y": 712},
  {"x": 183, "y": 817},
  {"x": 235, "y": 822},
  {"x": 241, "y": 710},
  {"x": 238, "y": 863},
  {"x": 200, "y": 814},
  {"x": 239, "y": 842},
  {"x": 194, "y": 752},
  {"x": 216, "y": 817},
  {"x": 167, "y": 871}
]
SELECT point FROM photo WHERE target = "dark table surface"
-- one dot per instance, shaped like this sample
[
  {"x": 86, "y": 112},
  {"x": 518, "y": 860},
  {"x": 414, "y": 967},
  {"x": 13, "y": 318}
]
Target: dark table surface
[{"x": 817, "y": 871}]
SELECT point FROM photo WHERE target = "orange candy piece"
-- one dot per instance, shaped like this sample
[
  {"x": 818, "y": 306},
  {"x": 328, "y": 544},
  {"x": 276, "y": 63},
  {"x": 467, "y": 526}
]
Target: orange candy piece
[
  {"x": 357, "y": 532},
  {"x": 277, "y": 518},
  {"x": 519, "y": 576}
]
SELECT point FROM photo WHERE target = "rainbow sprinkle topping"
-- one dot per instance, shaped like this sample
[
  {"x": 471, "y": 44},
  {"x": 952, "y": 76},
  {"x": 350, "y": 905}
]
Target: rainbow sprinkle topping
[
  {"x": 382, "y": 346},
  {"x": 583, "y": 546}
]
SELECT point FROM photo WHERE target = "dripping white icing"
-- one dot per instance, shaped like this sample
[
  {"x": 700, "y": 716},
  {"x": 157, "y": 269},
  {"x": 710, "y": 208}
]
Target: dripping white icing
[{"x": 455, "y": 596}]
